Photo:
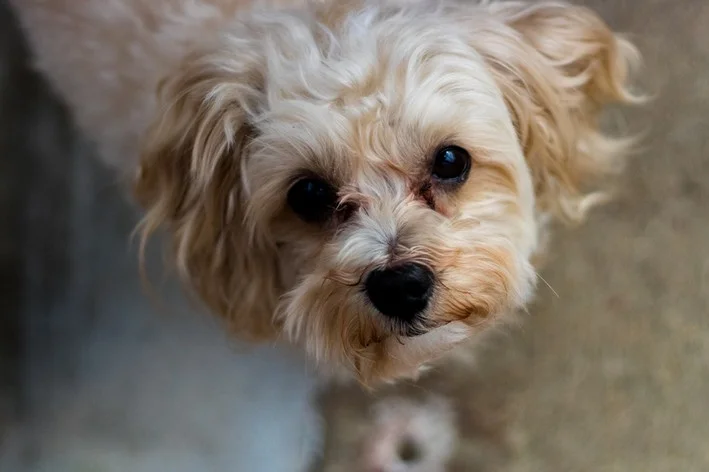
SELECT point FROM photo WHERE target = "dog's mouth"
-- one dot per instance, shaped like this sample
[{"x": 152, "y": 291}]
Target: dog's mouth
[
  {"x": 414, "y": 328},
  {"x": 413, "y": 331}
]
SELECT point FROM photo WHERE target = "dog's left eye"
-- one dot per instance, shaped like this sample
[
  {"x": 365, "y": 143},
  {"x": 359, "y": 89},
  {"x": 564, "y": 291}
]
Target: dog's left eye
[
  {"x": 451, "y": 163},
  {"x": 312, "y": 199}
]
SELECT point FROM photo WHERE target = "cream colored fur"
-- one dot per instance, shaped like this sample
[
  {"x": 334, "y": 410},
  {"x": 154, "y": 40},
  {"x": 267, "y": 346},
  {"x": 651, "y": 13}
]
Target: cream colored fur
[{"x": 214, "y": 107}]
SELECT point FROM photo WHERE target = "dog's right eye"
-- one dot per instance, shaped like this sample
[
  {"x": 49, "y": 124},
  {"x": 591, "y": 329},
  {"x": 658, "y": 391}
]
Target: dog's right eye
[
  {"x": 451, "y": 164},
  {"x": 312, "y": 199}
]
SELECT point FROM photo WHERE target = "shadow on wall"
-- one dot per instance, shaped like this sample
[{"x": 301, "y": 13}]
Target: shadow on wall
[{"x": 14, "y": 179}]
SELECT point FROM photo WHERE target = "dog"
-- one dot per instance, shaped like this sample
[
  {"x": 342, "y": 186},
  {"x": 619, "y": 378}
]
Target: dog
[
  {"x": 368, "y": 180},
  {"x": 371, "y": 181}
]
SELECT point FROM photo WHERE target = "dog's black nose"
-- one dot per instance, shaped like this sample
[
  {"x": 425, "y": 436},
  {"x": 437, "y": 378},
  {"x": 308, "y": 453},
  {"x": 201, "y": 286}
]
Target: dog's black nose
[{"x": 400, "y": 292}]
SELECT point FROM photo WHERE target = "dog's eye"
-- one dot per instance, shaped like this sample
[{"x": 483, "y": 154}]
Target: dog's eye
[
  {"x": 312, "y": 199},
  {"x": 452, "y": 163}
]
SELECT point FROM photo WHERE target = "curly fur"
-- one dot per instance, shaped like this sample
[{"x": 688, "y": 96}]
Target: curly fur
[{"x": 360, "y": 93}]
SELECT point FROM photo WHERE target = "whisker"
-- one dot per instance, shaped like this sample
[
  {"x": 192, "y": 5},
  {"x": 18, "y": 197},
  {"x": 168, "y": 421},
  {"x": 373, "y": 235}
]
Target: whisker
[{"x": 548, "y": 285}]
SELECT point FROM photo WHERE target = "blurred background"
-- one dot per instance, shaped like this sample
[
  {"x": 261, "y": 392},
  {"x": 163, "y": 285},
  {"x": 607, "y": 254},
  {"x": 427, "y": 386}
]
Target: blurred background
[{"x": 609, "y": 371}]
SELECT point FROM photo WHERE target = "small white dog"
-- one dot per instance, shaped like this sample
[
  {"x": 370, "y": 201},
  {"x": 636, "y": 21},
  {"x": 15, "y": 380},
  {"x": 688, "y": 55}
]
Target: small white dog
[{"x": 366, "y": 179}]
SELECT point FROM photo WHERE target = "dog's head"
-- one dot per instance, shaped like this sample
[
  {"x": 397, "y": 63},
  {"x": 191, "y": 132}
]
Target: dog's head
[{"x": 367, "y": 179}]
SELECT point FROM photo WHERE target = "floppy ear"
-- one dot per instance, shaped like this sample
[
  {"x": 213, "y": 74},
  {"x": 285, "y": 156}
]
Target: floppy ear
[
  {"x": 557, "y": 66},
  {"x": 190, "y": 182}
]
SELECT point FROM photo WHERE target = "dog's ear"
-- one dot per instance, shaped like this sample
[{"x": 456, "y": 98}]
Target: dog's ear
[
  {"x": 558, "y": 65},
  {"x": 190, "y": 182}
]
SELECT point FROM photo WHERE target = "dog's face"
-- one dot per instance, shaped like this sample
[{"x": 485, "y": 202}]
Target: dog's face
[{"x": 366, "y": 179}]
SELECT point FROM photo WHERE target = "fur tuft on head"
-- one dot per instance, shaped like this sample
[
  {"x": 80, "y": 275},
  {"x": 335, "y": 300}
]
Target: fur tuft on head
[{"x": 558, "y": 65}]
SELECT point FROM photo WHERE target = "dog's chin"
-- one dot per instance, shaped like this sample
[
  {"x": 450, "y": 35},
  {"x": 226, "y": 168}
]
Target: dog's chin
[
  {"x": 399, "y": 357},
  {"x": 374, "y": 350},
  {"x": 412, "y": 329}
]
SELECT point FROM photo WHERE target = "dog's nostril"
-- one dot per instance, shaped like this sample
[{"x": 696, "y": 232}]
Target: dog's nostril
[{"x": 400, "y": 292}]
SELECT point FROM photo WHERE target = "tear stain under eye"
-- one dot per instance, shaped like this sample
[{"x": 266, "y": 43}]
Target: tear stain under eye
[
  {"x": 426, "y": 193},
  {"x": 345, "y": 211}
]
